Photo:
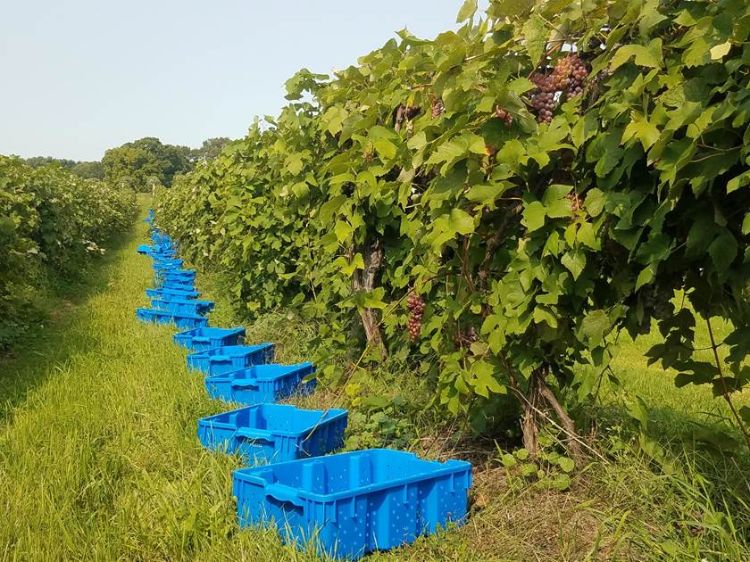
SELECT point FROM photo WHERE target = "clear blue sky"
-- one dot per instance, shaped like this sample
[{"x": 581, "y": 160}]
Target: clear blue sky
[{"x": 81, "y": 76}]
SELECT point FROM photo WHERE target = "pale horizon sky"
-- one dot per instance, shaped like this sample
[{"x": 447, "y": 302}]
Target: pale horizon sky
[{"x": 82, "y": 76}]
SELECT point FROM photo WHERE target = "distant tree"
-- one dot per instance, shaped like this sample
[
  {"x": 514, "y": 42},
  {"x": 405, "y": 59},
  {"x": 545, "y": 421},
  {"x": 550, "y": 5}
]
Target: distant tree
[
  {"x": 210, "y": 148},
  {"x": 39, "y": 161},
  {"x": 91, "y": 170},
  {"x": 141, "y": 163}
]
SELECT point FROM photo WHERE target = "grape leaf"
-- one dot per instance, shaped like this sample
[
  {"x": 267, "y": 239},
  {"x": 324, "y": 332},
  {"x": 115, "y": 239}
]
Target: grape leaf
[
  {"x": 533, "y": 216},
  {"x": 575, "y": 262},
  {"x": 723, "y": 250},
  {"x": 536, "y": 34},
  {"x": 642, "y": 130},
  {"x": 720, "y": 51},
  {"x": 649, "y": 56},
  {"x": 467, "y": 11}
]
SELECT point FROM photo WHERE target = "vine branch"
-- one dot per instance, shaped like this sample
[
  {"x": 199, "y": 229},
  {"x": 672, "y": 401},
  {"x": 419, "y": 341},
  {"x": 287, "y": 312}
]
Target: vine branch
[{"x": 725, "y": 388}]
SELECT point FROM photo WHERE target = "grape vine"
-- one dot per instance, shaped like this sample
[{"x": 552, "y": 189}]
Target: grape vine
[
  {"x": 541, "y": 193},
  {"x": 52, "y": 223}
]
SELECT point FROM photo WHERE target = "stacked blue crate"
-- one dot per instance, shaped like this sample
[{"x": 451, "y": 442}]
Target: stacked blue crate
[
  {"x": 181, "y": 321},
  {"x": 220, "y": 360},
  {"x": 174, "y": 298},
  {"x": 262, "y": 383},
  {"x": 351, "y": 504},
  {"x": 182, "y": 306},
  {"x": 268, "y": 433},
  {"x": 172, "y": 293},
  {"x": 202, "y": 339},
  {"x": 347, "y": 504}
]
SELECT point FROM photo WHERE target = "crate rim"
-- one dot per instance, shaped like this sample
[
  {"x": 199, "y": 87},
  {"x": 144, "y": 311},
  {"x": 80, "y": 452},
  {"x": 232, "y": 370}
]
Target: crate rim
[
  {"x": 446, "y": 468},
  {"x": 336, "y": 415},
  {"x": 197, "y": 302},
  {"x": 252, "y": 349},
  {"x": 230, "y": 331},
  {"x": 158, "y": 312},
  {"x": 231, "y": 375}
]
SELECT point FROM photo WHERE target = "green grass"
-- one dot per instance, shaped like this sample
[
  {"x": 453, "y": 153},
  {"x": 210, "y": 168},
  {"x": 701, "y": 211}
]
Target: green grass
[
  {"x": 687, "y": 406},
  {"x": 99, "y": 458}
]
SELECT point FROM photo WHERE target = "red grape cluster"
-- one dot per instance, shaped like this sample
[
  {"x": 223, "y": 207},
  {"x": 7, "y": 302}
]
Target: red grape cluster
[
  {"x": 543, "y": 102},
  {"x": 437, "y": 108},
  {"x": 571, "y": 73},
  {"x": 504, "y": 116},
  {"x": 567, "y": 77},
  {"x": 415, "y": 303}
]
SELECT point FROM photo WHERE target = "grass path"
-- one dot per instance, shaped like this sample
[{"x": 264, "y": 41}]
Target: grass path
[
  {"x": 99, "y": 458},
  {"x": 98, "y": 454}
]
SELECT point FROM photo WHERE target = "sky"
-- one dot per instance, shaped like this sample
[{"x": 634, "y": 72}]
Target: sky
[{"x": 80, "y": 76}]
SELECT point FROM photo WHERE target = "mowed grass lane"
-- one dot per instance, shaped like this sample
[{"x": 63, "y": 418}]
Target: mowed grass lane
[{"x": 99, "y": 458}]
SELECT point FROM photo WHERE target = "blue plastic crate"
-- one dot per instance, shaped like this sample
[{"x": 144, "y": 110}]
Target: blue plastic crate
[
  {"x": 153, "y": 316},
  {"x": 172, "y": 293},
  {"x": 183, "y": 306},
  {"x": 182, "y": 321},
  {"x": 189, "y": 321},
  {"x": 160, "y": 237},
  {"x": 159, "y": 258},
  {"x": 164, "y": 255},
  {"x": 262, "y": 383},
  {"x": 162, "y": 273},
  {"x": 162, "y": 252},
  {"x": 162, "y": 243},
  {"x": 156, "y": 252},
  {"x": 175, "y": 284},
  {"x": 230, "y": 358},
  {"x": 267, "y": 433},
  {"x": 176, "y": 274},
  {"x": 161, "y": 248},
  {"x": 202, "y": 339},
  {"x": 166, "y": 278},
  {"x": 354, "y": 503},
  {"x": 163, "y": 264},
  {"x": 174, "y": 280}
]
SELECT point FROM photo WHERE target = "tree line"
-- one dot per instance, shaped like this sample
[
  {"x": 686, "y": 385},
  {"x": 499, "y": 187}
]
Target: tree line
[{"x": 140, "y": 164}]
